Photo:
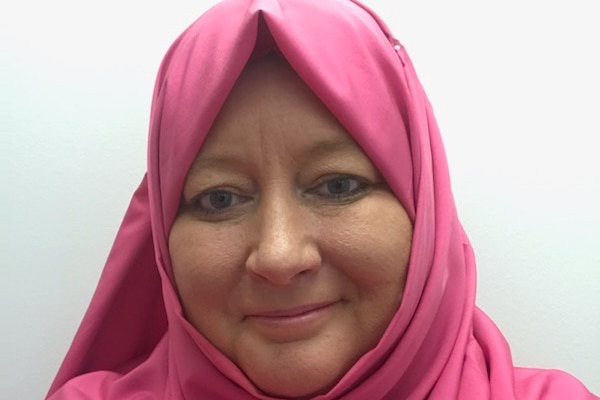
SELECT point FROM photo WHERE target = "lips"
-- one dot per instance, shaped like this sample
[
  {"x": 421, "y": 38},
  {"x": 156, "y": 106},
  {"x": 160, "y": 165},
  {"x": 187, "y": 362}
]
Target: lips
[
  {"x": 285, "y": 325},
  {"x": 292, "y": 312}
]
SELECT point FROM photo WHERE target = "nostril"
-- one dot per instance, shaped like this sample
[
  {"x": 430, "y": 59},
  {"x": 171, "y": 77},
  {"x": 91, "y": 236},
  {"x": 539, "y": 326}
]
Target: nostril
[
  {"x": 284, "y": 246},
  {"x": 281, "y": 265}
]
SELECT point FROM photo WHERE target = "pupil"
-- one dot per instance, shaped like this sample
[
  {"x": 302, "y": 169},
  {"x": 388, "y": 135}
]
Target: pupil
[
  {"x": 220, "y": 199},
  {"x": 339, "y": 185}
]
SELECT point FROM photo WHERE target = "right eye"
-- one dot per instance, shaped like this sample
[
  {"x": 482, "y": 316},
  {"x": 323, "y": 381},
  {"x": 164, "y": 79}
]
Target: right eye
[{"x": 216, "y": 202}]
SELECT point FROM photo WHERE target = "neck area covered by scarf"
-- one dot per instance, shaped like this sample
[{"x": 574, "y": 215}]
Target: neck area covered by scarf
[{"x": 135, "y": 343}]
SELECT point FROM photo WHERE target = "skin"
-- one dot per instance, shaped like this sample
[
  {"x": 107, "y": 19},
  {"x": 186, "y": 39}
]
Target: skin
[{"x": 289, "y": 251}]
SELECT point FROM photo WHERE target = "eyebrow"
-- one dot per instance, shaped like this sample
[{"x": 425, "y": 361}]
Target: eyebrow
[
  {"x": 212, "y": 162},
  {"x": 316, "y": 150},
  {"x": 324, "y": 147}
]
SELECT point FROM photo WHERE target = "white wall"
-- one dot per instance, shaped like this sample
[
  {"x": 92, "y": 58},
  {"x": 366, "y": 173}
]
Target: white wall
[{"x": 516, "y": 90}]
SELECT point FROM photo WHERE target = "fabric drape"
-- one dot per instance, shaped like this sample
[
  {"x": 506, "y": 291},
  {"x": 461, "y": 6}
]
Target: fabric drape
[{"x": 134, "y": 342}]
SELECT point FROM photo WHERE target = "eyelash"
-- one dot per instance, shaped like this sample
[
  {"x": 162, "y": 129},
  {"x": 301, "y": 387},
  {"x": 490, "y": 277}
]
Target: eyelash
[
  {"x": 360, "y": 186},
  {"x": 352, "y": 188},
  {"x": 209, "y": 210}
]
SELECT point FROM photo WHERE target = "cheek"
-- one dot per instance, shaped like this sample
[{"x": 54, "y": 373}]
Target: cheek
[
  {"x": 370, "y": 256},
  {"x": 373, "y": 250},
  {"x": 206, "y": 263}
]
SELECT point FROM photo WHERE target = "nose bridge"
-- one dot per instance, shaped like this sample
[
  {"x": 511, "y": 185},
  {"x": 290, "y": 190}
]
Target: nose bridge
[
  {"x": 284, "y": 245},
  {"x": 279, "y": 230}
]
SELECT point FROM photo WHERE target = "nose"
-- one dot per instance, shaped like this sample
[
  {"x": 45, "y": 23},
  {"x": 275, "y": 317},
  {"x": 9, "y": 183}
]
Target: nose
[{"x": 284, "y": 241}]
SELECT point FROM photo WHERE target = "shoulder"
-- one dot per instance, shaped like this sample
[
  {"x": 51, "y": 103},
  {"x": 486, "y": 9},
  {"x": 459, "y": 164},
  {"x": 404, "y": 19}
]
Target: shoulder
[
  {"x": 145, "y": 382},
  {"x": 549, "y": 384},
  {"x": 91, "y": 386}
]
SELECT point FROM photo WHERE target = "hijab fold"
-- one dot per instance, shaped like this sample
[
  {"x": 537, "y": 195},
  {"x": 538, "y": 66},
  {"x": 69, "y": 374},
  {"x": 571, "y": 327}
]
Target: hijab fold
[{"x": 135, "y": 343}]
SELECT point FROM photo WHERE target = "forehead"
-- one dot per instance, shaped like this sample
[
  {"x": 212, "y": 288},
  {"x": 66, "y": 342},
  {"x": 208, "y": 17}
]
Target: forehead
[
  {"x": 269, "y": 105},
  {"x": 269, "y": 87}
]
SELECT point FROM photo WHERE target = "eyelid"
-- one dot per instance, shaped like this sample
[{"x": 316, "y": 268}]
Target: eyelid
[
  {"x": 193, "y": 205},
  {"x": 207, "y": 196},
  {"x": 362, "y": 185}
]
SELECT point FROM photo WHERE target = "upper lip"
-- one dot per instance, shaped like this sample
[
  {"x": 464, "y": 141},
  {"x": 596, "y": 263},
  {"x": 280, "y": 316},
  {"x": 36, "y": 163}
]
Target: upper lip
[{"x": 291, "y": 312}]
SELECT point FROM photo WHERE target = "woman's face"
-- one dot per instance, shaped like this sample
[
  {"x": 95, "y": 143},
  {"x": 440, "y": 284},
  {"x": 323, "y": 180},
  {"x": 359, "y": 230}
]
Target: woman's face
[{"x": 289, "y": 251}]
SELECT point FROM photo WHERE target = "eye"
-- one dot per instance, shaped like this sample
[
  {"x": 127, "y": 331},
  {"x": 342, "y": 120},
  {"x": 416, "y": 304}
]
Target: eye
[
  {"x": 217, "y": 202},
  {"x": 340, "y": 187}
]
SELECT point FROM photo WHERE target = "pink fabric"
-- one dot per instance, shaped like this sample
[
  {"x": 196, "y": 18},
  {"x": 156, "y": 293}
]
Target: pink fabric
[{"x": 134, "y": 342}]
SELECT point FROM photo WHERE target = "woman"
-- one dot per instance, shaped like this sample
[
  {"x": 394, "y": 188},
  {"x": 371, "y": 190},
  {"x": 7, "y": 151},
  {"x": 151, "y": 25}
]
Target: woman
[{"x": 295, "y": 236}]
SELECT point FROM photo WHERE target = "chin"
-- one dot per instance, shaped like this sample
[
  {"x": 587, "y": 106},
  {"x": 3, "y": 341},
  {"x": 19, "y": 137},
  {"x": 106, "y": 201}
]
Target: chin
[
  {"x": 297, "y": 390},
  {"x": 302, "y": 380}
]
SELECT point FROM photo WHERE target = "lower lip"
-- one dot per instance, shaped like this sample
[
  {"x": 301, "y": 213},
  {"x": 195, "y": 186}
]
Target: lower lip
[{"x": 293, "y": 327}]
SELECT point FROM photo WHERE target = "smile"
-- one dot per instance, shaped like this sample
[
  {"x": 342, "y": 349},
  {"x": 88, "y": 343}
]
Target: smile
[{"x": 292, "y": 324}]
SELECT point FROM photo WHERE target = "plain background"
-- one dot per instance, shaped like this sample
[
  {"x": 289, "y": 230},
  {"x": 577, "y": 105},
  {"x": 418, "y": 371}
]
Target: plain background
[{"x": 516, "y": 90}]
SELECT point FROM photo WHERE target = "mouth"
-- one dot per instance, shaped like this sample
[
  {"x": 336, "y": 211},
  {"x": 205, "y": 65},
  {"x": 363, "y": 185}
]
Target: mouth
[
  {"x": 293, "y": 312},
  {"x": 295, "y": 323}
]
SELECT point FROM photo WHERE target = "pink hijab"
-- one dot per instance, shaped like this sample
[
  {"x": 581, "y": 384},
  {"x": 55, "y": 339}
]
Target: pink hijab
[{"x": 134, "y": 342}]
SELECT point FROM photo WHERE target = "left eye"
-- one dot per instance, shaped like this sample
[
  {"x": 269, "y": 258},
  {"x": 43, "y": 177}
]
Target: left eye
[{"x": 340, "y": 187}]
